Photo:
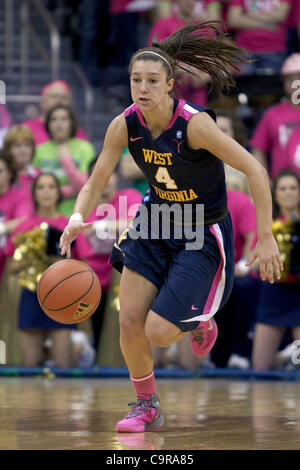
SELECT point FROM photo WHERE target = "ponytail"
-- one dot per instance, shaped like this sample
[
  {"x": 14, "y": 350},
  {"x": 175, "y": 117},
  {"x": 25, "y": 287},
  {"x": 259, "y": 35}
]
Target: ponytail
[{"x": 201, "y": 46}]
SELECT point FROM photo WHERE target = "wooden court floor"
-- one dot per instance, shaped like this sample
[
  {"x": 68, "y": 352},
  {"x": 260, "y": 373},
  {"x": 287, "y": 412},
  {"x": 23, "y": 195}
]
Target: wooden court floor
[{"x": 41, "y": 413}]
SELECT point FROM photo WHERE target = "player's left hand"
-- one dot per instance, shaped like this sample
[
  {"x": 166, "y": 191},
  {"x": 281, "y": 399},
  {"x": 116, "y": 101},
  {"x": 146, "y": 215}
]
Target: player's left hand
[{"x": 270, "y": 263}]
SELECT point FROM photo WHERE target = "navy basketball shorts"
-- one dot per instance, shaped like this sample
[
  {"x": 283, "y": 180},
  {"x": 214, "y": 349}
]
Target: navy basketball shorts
[{"x": 192, "y": 284}]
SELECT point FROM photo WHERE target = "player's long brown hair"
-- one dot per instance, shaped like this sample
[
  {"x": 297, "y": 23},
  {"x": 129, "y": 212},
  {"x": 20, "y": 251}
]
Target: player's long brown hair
[{"x": 200, "y": 47}]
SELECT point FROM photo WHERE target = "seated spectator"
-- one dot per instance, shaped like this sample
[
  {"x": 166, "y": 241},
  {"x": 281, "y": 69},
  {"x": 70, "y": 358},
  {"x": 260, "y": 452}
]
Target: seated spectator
[
  {"x": 279, "y": 303},
  {"x": 272, "y": 134},
  {"x": 121, "y": 207},
  {"x": 192, "y": 88},
  {"x": 15, "y": 204},
  {"x": 5, "y": 122},
  {"x": 131, "y": 173},
  {"x": 260, "y": 29},
  {"x": 19, "y": 143},
  {"x": 64, "y": 154},
  {"x": 34, "y": 324},
  {"x": 229, "y": 122},
  {"x": 293, "y": 151},
  {"x": 54, "y": 93}
]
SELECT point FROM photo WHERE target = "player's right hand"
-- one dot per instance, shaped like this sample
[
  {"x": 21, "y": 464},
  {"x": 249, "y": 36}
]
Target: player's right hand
[{"x": 70, "y": 233}]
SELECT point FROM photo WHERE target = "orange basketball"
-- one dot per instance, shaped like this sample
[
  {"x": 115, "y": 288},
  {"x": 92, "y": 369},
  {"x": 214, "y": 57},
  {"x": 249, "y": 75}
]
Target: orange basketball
[{"x": 69, "y": 291}]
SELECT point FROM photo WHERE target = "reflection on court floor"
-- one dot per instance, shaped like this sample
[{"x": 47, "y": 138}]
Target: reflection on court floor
[{"x": 58, "y": 413}]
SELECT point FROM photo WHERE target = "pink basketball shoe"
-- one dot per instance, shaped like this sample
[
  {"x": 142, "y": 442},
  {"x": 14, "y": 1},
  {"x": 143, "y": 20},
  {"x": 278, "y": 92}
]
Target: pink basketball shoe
[
  {"x": 203, "y": 337},
  {"x": 144, "y": 416}
]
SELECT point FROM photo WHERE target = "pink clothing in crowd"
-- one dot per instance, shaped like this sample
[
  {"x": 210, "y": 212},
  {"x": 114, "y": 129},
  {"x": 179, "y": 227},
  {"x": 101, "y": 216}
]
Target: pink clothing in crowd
[
  {"x": 183, "y": 89},
  {"x": 273, "y": 132},
  {"x": 118, "y": 6},
  {"x": 99, "y": 261},
  {"x": 291, "y": 20},
  {"x": 293, "y": 151},
  {"x": 260, "y": 40},
  {"x": 5, "y": 119},
  {"x": 243, "y": 218},
  {"x": 80, "y": 250},
  {"x": 40, "y": 134},
  {"x": 14, "y": 203},
  {"x": 25, "y": 180}
]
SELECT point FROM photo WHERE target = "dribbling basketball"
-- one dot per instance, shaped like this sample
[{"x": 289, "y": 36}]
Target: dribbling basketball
[{"x": 69, "y": 291}]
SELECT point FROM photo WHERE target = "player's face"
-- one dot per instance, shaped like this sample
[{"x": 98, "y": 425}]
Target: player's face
[
  {"x": 60, "y": 125},
  {"x": 287, "y": 193},
  {"x": 22, "y": 152},
  {"x": 149, "y": 85},
  {"x": 46, "y": 192}
]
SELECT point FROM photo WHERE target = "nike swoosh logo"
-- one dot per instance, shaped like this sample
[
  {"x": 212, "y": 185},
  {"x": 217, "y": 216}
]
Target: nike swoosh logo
[
  {"x": 133, "y": 139},
  {"x": 194, "y": 308}
]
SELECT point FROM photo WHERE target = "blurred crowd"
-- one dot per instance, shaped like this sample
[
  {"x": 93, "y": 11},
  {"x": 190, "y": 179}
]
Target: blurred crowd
[{"x": 45, "y": 161}]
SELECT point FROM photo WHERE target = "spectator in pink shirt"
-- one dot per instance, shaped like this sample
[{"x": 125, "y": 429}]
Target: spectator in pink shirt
[
  {"x": 260, "y": 28},
  {"x": 121, "y": 208},
  {"x": 19, "y": 144},
  {"x": 33, "y": 323},
  {"x": 271, "y": 136},
  {"x": 15, "y": 205},
  {"x": 189, "y": 87},
  {"x": 54, "y": 93}
]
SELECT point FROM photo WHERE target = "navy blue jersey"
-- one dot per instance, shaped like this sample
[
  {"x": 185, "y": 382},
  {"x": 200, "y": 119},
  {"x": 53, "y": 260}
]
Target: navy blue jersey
[{"x": 175, "y": 172}]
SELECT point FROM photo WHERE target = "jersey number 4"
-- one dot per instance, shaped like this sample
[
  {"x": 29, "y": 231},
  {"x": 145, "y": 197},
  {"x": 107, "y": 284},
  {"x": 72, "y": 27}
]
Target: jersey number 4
[{"x": 162, "y": 176}]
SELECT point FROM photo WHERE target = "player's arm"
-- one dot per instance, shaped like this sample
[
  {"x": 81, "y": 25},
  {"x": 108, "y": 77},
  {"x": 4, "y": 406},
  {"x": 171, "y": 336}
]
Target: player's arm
[
  {"x": 260, "y": 156},
  {"x": 116, "y": 139},
  {"x": 204, "y": 133}
]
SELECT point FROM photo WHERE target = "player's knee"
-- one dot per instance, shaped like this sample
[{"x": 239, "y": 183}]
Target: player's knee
[
  {"x": 158, "y": 335},
  {"x": 130, "y": 325}
]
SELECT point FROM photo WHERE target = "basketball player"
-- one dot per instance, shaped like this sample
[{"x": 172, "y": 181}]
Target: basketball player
[{"x": 167, "y": 289}]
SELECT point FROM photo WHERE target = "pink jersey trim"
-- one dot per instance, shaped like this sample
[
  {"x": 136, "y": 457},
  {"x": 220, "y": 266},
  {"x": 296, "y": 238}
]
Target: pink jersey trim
[
  {"x": 177, "y": 113},
  {"x": 134, "y": 109},
  {"x": 218, "y": 284},
  {"x": 130, "y": 110},
  {"x": 183, "y": 109},
  {"x": 215, "y": 295}
]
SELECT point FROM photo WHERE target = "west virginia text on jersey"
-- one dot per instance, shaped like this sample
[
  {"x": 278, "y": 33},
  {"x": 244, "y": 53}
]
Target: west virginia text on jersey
[{"x": 175, "y": 172}]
